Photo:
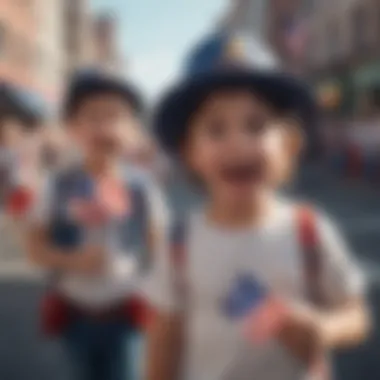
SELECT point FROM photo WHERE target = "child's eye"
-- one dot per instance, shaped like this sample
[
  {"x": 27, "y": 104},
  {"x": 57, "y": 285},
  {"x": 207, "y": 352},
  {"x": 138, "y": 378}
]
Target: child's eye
[
  {"x": 216, "y": 129},
  {"x": 255, "y": 126}
]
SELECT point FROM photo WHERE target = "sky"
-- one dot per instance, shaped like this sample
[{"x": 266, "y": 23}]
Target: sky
[{"x": 155, "y": 35}]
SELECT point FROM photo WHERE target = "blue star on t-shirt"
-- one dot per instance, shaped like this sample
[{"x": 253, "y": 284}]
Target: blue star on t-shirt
[{"x": 245, "y": 294}]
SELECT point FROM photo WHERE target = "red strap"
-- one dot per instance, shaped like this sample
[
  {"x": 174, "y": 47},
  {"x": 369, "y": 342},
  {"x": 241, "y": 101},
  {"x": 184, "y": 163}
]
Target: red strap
[
  {"x": 309, "y": 240},
  {"x": 307, "y": 227}
]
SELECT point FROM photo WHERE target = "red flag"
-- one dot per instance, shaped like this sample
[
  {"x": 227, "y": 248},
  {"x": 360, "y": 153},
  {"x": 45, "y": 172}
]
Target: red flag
[
  {"x": 112, "y": 196},
  {"x": 255, "y": 307},
  {"x": 264, "y": 321}
]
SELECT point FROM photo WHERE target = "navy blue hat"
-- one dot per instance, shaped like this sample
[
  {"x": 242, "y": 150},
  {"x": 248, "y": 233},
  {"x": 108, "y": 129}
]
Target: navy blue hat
[
  {"x": 228, "y": 61},
  {"x": 88, "y": 83}
]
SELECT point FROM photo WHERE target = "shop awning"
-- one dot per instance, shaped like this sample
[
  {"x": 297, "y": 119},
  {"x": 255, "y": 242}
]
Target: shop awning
[{"x": 367, "y": 76}]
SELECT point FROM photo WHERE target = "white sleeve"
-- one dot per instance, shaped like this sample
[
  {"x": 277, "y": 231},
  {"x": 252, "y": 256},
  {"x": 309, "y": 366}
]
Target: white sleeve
[
  {"x": 159, "y": 214},
  {"x": 161, "y": 286},
  {"x": 40, "y": 213},
  {"x": 342, "y": 278}
]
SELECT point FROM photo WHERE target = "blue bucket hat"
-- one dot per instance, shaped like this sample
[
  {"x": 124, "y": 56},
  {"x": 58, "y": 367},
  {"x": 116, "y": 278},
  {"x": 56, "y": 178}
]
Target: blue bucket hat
[
  {"x": 91, "y": 82},
  {"x": 228, "y": 61}
]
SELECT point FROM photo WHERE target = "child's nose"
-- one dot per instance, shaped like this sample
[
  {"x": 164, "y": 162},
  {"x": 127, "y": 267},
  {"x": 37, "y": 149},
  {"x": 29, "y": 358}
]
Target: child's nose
[
  {"x": 242, "y": 143},
  {"x": 237, "y": 138}
]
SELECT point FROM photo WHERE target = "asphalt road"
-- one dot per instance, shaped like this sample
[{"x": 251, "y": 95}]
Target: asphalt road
[{"x": 25, "y": 355}]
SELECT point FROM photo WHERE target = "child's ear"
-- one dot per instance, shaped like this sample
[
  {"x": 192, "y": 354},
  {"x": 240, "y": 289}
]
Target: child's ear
[
  {"x": 293, "y": 143},
  {"x": 294, "y": 139}
]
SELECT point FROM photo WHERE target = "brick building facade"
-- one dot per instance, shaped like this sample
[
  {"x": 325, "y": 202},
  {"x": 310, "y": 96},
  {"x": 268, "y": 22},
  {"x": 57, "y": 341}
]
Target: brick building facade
[
  {"x": 342, "y": 44},
  {"x": 344, "y": 49},
  {"x": 43, "y": 41},
  {"x": 18, "y": 41},
  {"x": 77, "y": 34},
  {"x": 287, "y": 31},
  {"x": 31, "y": 50},
  {"x": 104, "y": 43},
  {"x": 344, "y": 32}
]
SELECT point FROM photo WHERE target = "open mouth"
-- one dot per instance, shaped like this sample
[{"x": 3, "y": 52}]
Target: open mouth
[{"x": 242, "y": 173}]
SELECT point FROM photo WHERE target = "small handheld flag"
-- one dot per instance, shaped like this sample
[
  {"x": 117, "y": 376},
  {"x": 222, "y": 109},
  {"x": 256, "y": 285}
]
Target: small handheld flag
[
  {"x": 255, "y": 307},
  {"x": 111, "y": 195}
]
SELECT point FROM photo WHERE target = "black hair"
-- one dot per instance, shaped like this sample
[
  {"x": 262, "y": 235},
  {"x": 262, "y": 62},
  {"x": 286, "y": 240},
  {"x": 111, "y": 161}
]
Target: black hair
[{"x": 82, "y": 89}]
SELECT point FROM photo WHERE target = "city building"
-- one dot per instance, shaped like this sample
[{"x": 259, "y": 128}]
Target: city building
[
  {"x": 49, "y": 68},
  {"x": 287, "y": 31},
  {"x": 42, "y": 42},
  {"x": 344, "y": 52},
  {"x": 279, "y": 23},
  {"x": 248, "y": 16},
  {"x": 30, "y": 49},
  {"x": 18, "y": 37},
  {"x": 104, "y": 44},
  {"x": 78, "y": 48}
]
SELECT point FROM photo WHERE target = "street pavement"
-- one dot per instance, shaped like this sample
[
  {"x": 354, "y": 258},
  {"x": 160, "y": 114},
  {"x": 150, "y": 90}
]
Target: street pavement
[{"x": 25, "y": 355}]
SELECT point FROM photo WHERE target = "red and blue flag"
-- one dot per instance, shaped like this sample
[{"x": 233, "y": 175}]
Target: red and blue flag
[{"x": 255, "y": 307}]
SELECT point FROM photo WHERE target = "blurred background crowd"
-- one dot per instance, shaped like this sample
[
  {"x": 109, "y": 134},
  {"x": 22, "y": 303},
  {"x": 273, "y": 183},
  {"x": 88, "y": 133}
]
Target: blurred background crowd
[{"x": 333, "y": 44}]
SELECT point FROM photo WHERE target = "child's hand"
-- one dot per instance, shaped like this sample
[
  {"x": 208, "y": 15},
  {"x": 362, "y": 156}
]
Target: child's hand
[
  {"x": 301, "y": 334},
  {"x": 87, "y": 212}
]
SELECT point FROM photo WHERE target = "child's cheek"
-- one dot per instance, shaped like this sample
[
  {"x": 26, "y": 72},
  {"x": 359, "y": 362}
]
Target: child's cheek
[
  {"x": 274, "y": 147},
  {"x": 203, "y": 159},
  {"x": 275, "y": 156}
]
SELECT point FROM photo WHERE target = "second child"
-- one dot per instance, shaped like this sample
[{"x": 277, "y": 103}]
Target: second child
[{"x": 94, "y": 228}]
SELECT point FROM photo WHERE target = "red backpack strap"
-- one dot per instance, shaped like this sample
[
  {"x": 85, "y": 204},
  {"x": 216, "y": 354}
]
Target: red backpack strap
[{"x": 311, "y": 255}]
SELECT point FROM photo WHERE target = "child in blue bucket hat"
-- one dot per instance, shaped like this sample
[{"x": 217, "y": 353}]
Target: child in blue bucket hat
[{"x": 252, "y": 285}]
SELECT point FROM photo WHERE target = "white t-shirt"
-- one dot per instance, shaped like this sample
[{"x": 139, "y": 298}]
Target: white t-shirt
[
  {"x": 121, "y": 276},
  {"x": 216, "y": 347}
]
